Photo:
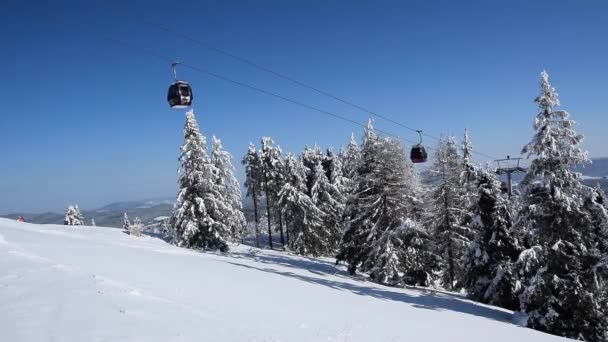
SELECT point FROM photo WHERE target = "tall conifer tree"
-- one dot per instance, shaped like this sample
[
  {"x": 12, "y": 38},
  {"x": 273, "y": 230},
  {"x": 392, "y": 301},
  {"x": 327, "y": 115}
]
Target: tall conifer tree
[
  {"x": 491, "y": 276},
  {"x": 199, "y": 213},
  {"x": 234, "y": 217},
  {"x": 449, "y": 207},
  {"x": 253, "y": 183},
  {"x": 562, "y": 294}
]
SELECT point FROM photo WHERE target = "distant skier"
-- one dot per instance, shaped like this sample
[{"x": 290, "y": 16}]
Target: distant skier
[{"x": 20, "y": 219}]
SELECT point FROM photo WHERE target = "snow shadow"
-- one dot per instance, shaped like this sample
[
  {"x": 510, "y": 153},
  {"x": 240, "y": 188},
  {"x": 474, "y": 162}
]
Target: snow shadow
[
  {"x": 315, "y": 266},
  {"x": 159, "y": 236},
  {"x": 249, "y": 240},
  {"x": 429, "y": 301}
]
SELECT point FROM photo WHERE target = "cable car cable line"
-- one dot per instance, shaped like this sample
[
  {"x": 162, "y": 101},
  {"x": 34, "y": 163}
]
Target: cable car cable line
[
  {"x": 295, "y": 81},
  {"x": 206, "y": 45},
  {"x": 170, "y": 60},
  {"x": 284, "y": 98},
  {"x": 258, "y": 66}
]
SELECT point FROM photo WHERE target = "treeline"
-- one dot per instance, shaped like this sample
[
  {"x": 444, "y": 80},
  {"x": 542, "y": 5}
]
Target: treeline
[{"x": 542, "y": 252}]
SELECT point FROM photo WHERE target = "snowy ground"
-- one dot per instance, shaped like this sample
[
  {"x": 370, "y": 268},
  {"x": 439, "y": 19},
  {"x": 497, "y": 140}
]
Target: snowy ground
[{"x": 97, "y": 284}]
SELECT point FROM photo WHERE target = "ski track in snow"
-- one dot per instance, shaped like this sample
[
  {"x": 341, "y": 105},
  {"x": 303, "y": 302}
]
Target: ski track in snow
[{"x": 62, "y": 283}]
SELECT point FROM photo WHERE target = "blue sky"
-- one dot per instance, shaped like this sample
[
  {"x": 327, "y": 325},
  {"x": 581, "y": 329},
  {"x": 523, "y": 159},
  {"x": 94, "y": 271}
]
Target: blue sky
[{"x": 85, "y": 121}]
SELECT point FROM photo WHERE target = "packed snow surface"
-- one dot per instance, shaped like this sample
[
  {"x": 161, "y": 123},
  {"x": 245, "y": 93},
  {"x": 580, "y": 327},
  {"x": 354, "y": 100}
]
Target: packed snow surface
[{"x": 60, "y": 283}]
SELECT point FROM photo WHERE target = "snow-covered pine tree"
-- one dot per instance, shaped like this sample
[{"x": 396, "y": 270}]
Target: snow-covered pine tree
[
  {"x": 126, "y": 224},
  {"x": 198, "y": 215},
  {"x": 234, "y": 218},
  {"x": 490, "y": 275},
  {"x": 303, "y": 219},
  {"x": 93, "y": 222},
  {"x": 449, "y": 212},
  {"x": 73, "y": 217},
  {"x": 327, "y": 197},
  {"x": 560, "y": 270},
  {"x": 253, "y": 183}
]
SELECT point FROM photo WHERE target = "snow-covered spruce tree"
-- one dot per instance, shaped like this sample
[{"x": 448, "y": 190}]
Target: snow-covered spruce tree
[
  {"x": 303, "y": 219},
  {"x": 79, "y": 215},
  {"x": 294, "y": 173},
  {"x": 234, "y": 218},
  {"x": 341, "y": 184},
  {"x": 253, "y": 183},
  {"x": 126, "y": 224},
  {"x": 469, "y": 169},
  {"x": 420, "y": 262},
  {"x": 137, "y": 227},
  {"x": 490, "y": 275},
  {"x": 468, "y": 176},
  {"x": 271, "y": 173},
  {"x": 276, "y": 184},
  {"x": 310, "y": 157},
  {"x": 360, "y": 216},
  {"x": 335, "y": 171},
  {"x": 93, "y": 222},
  {"x": 449, "y": 212},
  {"x": 392, "y": 201},
  {"x": 595, "y": 204},
  {"x": 328, "y": 198},
  {"x": 73, "y": 217},
  {"x": 560, "y": 271},
  {"x": 198, "y": 216},
  {"x": 351, "y": 158},
  {"x": 381, "y": 203}
]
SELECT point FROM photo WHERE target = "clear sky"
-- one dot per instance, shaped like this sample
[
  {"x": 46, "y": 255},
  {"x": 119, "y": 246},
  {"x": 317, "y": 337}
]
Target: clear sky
[{"x": 85, "y": 121}]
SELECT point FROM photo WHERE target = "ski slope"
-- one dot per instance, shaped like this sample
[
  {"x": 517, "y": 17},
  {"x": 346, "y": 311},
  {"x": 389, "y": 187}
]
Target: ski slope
[{"x": 60, "y": 283}]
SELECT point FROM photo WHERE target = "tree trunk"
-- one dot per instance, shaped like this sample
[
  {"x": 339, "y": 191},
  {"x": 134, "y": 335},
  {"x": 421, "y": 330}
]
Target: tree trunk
[
  {"x": 268, "y": 211},
  {"x": 287, "y": 235},
  {"x": 257, "y": 218},
  {"x": 281, "y": 229},
  {"x": 451, "y": 264},
  {"x": 449, "y": 242}
]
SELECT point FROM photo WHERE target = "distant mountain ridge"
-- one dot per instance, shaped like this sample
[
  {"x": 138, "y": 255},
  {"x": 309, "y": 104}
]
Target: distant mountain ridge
[
  {"x": 598, "y": 168},
  {"x": 110, "y": 215},
  {"x": 148, "y": 203},
  {"x": 596, "y": 173}
]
